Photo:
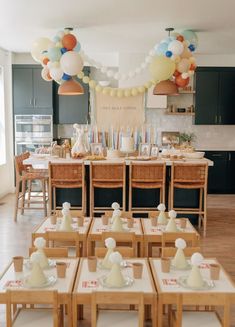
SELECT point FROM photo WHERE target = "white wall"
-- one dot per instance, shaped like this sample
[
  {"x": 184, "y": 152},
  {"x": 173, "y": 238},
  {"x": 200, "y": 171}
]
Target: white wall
[{"x": 6, "y": 170}]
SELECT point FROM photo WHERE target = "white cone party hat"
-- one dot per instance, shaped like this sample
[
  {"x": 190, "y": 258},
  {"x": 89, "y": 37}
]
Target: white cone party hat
[
  {"x": 67, "y": 206},
  {"x": 195, "y": 279},
  {"x": 162, "y": 219},
  {"x": 116, "y": 210},
  {"x": 37, "y": 277},
  {"x": 66, "y": 221},
  {"x": 179, "y": 261},
  {"x": 115, "y": 277},
  {"x": 117, "y": 222},
  {"x": 110, "y": 244},
  {"x": 40, "y": 243},
  {"x": 171, "y": 225}
]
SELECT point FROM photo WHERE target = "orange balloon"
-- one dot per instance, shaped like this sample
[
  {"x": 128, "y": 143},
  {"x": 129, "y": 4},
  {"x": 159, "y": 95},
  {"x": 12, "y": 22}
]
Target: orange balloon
[
  {"x": 180, "y": 38},
  {"x": 45, "y": 61},
  {"x": 49, "y": 76},
  {"x": 69, "y": 41},
  {"x": 192, "y": 67},
  {"x": 176, "y": 73},
  {"x": 179, "y": 81}
]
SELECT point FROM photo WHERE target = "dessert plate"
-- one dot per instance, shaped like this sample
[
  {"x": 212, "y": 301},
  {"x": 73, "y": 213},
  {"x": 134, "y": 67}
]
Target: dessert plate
[
  {"x": 50, "y": 280},
  {"x": 128, "y": 281},
  {"x": 207, "y": 284}
]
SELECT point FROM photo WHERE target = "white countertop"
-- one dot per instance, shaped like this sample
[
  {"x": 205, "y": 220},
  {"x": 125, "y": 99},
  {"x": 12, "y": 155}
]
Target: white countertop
[{"x": 42, "y": 162}]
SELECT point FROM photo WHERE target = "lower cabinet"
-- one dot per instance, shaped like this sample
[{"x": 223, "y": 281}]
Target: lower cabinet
[{"x": 221, "y": 177}]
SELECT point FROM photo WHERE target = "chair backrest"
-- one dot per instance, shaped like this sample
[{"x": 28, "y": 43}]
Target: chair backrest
[
  {"x": 120, "y": 236},
  {"x": 104, "y": 172},
  {"x": 15, "y": 297},
  {"x": 205, "y": 299},
  {"x": 148, "y": 173},
  {"x": 66, "y": 172},
  {"x": 189, "y": 173},
  {"x": 191, "y": 238},
  {"x": 188, "y": 251},
  {"x": 19, "y": 166},
  {"x": 153, "y": 214},
  {"x": 64, "y": 237},
  {"x": 52, "y": 252},
  {"x": 125, "y": 251},
  {"x": 106, "y": 298},
  {"x": 124, "y": 214}
]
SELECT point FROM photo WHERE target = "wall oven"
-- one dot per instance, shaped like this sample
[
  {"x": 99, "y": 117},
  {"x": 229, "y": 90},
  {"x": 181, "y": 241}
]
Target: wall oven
[{"x": 32, "y": 132}]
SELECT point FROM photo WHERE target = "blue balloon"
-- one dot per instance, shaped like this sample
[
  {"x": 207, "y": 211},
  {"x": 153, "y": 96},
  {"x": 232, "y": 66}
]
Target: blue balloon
[
  {"x": 66, "y": 77},
  {"x": 191, "y": 37},
  {"x": 54, "y": 54},
  {"x": 63, "y": 50},
  {"x": 191, "y": 47},
  {"x": 169, "y": 54},
  {"x": 161, "y": 48},
  {"x": 78, "y": 47}
]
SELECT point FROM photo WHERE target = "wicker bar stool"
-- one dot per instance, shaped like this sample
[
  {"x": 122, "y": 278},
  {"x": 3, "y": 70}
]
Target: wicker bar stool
[
  {"x": 25, "y": 175},
  {"x": 67, "y": 176},
  {"x": 110, "y": 176},
  {"x": 191, "y": 176},
  {"x": 147, "y": 176}
]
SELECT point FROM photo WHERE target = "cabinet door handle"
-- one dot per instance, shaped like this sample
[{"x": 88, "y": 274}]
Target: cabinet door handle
[
  {"x": 31, "y": 102},
  {"x": 34, "y": 102},
  {"x": 216, "y": 155},
  {"x": 220, "y": 119},
  {"x": 215, "y": 119},
  {"x": 229, "y": 156}
]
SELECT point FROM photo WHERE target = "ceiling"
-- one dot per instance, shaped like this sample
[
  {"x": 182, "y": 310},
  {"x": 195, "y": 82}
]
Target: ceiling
[{"x": 118, "y": 26}]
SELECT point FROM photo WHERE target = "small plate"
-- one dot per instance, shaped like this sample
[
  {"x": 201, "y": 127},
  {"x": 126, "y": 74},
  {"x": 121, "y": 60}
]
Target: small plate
[
  {"x": 207, "y": 284},
  {"x": 51, "y": 264},
  {"x": 51, "y": 280},
  {"x": 128, "y": 282},
  {"x": 188, "y": 267}
]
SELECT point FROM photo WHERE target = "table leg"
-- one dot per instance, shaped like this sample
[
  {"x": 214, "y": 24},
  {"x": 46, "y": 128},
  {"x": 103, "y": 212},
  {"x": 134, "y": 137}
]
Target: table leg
[
  {"x": 69, "y": 310},
  {"x": 75, "y": 315},
  {"x": 160, "y": 312}
]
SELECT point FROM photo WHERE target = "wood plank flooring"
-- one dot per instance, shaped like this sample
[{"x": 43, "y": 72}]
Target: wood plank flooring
[{"x": 219, "y": 242}]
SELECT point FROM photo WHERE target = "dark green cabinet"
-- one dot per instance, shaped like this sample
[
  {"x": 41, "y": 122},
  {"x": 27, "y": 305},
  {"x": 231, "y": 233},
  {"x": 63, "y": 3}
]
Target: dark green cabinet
[
  {"x": 221, "y": 177},
  {"x": 31, "y": 94},
  {"x": 214, "y": 99},
  {"x": 74, "y": 108}
]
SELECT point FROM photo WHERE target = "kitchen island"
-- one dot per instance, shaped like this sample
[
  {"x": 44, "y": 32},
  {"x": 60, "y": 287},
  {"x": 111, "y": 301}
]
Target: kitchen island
[{"x": 104, "y": 198}]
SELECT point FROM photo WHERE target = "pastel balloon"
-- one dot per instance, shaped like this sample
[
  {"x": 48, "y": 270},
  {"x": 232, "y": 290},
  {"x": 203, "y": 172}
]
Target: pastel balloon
[
  {"x": 183, "y": 65},
  {"x": 86, "y": 79},
  {"x": 161, "y": 48},
  {"x": 134, "y": 91},
  {"x": 161, "y": 68},
  {"x": 63, "y": 50},
  {"x": 66, "y": 77},
  {"x": 120, "y": 93},
  {"x": 54, "y": 54},
  {"x": 191, "y": 37},
  {"x": 191, "y": 47},
  {"x": 181, "y": 82},
  {"x": 46, "y": 74},
  {"x": 127, "y": 92},
  {"x": 92, "y": 84},
  {"x": 168, "y": 53},
  {"x": 176, "y": 47},
  {"x": 186, "y": 53},
  {"x": 45, "y": 61},
  {"x": 71, "y": 63},
  {"x": 77, "y": 48},
  {"x": 69, "y": 41},
  {"x": 113, "y": 92},
  {"x": 38, "y": 46},
  {"x": 180, "y": 38},
  {"x": 98, "y": 88},
  {"x": 56, "y": 73},
  {"x": 176, "y": 73}
]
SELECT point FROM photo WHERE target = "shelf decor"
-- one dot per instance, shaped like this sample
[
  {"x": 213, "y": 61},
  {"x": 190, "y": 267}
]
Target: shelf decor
[{"x": 62, "y": 59}]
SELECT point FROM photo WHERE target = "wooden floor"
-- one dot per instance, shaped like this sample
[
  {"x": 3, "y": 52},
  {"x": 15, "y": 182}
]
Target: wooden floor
[{"x": 219, "y": 242}]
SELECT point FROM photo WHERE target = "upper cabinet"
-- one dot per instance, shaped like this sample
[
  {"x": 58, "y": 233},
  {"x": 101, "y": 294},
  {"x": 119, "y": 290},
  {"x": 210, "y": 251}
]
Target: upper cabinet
[
  {"x": 74, "y": 108},
  {"x": 31, "y": 94},
  {"x": 214, "y": 100}
]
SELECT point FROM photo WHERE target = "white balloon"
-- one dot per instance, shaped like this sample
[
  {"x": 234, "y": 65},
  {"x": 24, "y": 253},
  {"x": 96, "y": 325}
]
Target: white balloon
[
  {"x": 176, "y": 47},
  {"x": 39, "y": 46},
  {"x": 71, "y": 63},
  {"x": 45, "y": 73},
  {"x": 184, "y": 75},
  {"x": 56, "y": 73}
]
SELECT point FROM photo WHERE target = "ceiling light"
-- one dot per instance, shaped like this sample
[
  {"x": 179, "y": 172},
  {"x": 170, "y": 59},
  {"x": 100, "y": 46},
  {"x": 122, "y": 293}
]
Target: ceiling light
[
  {"x": 166, "y": 88},
  {"x": 71, "y": 87}
]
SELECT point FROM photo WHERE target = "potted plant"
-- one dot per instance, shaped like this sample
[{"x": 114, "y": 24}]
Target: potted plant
[{"x": 187, "y": 138}]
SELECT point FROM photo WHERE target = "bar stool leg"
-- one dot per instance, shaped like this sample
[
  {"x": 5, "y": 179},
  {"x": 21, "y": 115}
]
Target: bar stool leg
[
  {"x": 29, "y": 192},
  {"x": 23, "y": 196},
  {"x": 17, "y": 199},
  {"x": 54, "y": 199},
  {"x": 44, "y": 197}
]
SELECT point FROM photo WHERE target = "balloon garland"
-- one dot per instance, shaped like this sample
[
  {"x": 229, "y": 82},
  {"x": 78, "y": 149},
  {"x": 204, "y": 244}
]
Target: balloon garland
[{"x": 63, "y": 59}]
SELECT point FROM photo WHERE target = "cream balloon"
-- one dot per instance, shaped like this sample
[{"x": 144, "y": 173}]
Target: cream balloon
[
  {"x": 80, "y": 75},
  {"x": 86, "y": 79},
  {"x": 141, "y": 89},
  {"x": 92, "y": 84},
  {"x": 134, "y": 91},
  {"x": 161, "y": 68},
  {"x": 71, "y": 63},
  {"x": 120, "y": 93},
  {"x": 98, "y": 88},
  {"x": 39, "y": 46},
  {"x": 113, "y": 92},
  {"x": 56, "y": 73},
  {"x": 46, "y": 74},
  {"x": 127, "y": 92},
  {"x": 183, "y": 66},
  {"x": 186, "y": 53},
  {"x": 106, "y": 90},
  {"x": 176, "y": 47}
]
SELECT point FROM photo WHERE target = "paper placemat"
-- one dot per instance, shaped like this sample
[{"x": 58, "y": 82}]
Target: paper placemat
[{"x": 89, "y": 283}]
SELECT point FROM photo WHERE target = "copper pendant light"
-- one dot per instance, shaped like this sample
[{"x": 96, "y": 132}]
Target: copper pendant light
[
  {"x": 70, "y": 87},
  {"x": 166, "y": 88}
]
